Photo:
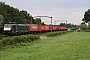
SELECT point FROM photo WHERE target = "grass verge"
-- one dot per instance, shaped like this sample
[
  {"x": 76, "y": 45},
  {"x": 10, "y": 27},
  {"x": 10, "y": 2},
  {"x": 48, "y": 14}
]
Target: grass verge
[{"x": 73, "y": 46}]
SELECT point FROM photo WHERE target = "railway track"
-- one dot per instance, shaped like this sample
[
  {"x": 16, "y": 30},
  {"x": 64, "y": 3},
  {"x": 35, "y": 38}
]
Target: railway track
[
  {"x": 6, "y": 36},
  {"x": 1, "y": 37}
]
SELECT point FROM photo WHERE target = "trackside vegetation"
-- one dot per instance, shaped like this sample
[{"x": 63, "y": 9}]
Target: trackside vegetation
[
  {"x": 27, "y": 38},
  {"x": 18, "y": 39},
  {"x": 53, "y": 34}
]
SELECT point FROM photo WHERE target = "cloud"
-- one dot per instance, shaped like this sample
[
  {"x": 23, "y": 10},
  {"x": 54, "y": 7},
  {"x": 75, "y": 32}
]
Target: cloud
[{"x": 74, "y": 15}]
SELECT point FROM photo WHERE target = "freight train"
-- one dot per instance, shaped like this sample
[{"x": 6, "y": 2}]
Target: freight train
[{"x": 18, "y": 29}]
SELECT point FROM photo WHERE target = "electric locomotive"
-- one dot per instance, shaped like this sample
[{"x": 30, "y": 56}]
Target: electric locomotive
[{"x": 15, "y": 29}]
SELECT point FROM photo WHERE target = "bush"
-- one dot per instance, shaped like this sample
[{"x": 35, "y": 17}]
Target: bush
[
  {"x": 52, "y": 34},
  {"x": 18, "y": 39}
]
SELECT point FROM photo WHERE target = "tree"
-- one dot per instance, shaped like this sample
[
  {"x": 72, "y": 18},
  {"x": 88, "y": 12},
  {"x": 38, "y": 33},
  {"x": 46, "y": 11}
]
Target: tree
[
  {"x": 37, "y": 21},
  {"x": 11, "y": 14},
  {"x": 86, "y": 16},
  {"x": 1, "y": 23},
  {"x": 62, "y": 24},
  {"x": 1, "y": 20},
  {"x": 83, "y": 26},
  {"x": 43, "y": 23},
  {"x": 25, "y": 17}
]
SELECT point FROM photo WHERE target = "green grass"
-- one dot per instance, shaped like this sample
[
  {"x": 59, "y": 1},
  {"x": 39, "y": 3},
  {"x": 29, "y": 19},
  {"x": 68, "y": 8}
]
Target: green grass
[{"x": 71, "y": 46}]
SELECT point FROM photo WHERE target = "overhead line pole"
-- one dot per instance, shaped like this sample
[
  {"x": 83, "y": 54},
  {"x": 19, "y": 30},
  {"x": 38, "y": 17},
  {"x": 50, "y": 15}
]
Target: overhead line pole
[{"x": 48, "y": 17}]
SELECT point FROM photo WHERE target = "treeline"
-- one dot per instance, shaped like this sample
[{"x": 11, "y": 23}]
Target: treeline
[
  {"x": 70, "y": 26},
  {"x": 11, "y": 14}
]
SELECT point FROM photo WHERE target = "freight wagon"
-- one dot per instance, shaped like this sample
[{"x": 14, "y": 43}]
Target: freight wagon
[{"x": 33, "y": 28}]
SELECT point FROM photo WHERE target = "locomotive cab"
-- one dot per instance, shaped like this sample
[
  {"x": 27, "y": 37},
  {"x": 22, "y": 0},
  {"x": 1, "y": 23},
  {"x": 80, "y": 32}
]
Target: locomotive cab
[{"x": 8, "y": 28}]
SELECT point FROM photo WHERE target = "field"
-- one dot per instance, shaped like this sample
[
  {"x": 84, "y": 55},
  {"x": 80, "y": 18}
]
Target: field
[{"x": 71, "y": 46}]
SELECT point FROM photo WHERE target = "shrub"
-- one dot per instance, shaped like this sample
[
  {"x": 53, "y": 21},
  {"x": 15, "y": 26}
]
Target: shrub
[
  {"x": 18, "y": 39},
  {"x": 52, "y": 34}
]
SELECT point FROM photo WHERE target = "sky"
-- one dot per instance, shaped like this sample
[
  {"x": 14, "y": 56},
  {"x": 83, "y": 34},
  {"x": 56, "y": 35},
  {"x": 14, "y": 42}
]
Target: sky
[{"x": 61, "y": 11}]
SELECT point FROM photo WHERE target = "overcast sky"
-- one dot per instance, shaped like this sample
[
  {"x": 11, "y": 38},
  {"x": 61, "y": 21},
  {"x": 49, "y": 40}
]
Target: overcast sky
[{"x": 61, "y": 10}]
